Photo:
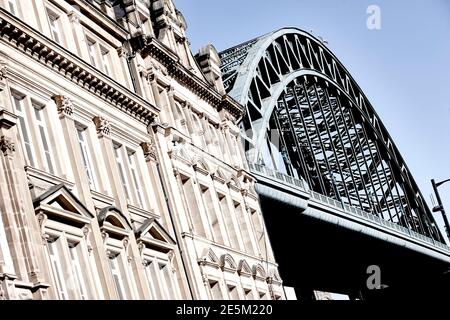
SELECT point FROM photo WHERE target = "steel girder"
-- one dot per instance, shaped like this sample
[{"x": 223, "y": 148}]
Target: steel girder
[{"x": 307, "y": 117}]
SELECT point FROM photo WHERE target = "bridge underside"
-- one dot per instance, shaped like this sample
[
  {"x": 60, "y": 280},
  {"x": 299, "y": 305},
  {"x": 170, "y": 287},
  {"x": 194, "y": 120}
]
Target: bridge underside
[
  {"x": 314, "y": 141},
  {"x": 316, "y": 255}
]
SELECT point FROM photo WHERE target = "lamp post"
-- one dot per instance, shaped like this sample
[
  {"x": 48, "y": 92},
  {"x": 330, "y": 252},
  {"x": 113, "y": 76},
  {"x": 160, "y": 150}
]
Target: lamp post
[{"x": 440, "y": 206}]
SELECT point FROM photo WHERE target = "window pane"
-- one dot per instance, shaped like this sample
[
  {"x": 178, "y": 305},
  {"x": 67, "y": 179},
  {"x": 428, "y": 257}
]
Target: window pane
[
  {"x": 57, "y": 270},
  {"x": 77, "y": 271},
  {"x": 233, "y": 293},
  {"x": 87, "y": 159},
  {"x": 12, "y": 6},
  {"x": 121, "y": 168},
  {"x": 215, "y": 290},
  {"x": 117, "y": 277},
  {"x": 136, "y": 180},
  {"x": 105, "y": 61},
  {"x": 166, "y": 281},
  {"x": 92, "y": 51},
  {"x": 44, "y": 138},
  {"x": 23, "y": 128},
  {"x": 53, "y": 20}
]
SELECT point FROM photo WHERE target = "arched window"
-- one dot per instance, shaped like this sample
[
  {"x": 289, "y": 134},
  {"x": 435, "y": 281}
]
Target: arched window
[{"x": 116, "y": 230}]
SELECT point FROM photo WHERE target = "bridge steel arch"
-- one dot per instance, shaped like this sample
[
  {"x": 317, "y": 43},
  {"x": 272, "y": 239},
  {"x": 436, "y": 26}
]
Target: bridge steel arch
[{"x": 308, "y": 118}]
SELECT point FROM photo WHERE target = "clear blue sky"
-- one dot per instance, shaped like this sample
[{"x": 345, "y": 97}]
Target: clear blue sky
[{"x": 404, "y": 68}]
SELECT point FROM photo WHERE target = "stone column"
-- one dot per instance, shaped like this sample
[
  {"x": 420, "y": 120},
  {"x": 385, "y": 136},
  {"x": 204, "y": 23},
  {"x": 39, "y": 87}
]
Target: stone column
[
  {"x": 170, "y": 178},
  {"x": 103, "y": 133},
  {"x": 16, "y": 207},
  {"x": 150, "y": 153}
]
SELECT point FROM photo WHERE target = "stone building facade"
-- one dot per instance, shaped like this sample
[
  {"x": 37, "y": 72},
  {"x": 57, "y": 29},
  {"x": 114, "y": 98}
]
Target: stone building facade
[{"x": 121, "y": 172}]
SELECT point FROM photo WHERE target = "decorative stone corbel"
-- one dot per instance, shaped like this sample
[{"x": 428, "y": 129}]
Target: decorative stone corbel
[
  {"x": 86, "y": 231},
  {"x": 171, "y": 256},
  {"x": 149, "y": 149},
  {"x": 126, "y": 246},
  {"x": 105, "y": 236},
  {"x": 42, "y": 219},
  {"x": 7, "y": 146},
  {"x": 74, "y": 16},
  {"x": 3, "y": 71},
  {"x": 103, "y": 126},
  {"x": 141, "y": 248},
  {"x": 64, "y": 105}
]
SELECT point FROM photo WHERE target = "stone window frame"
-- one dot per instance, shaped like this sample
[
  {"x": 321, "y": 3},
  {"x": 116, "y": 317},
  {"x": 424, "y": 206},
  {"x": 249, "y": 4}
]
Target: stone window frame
[
  {"x": 29, "y": 101},
  {"x": 69, "y": 223},
  {"x": 124, "y": 149},
  {"x": 9, "y": 4},
  {"x": 157, "y": 247},
  {"x": 116, "y": 230},
  {"x": 100, "y": 46},
  {"x": 86, "y": 133}
]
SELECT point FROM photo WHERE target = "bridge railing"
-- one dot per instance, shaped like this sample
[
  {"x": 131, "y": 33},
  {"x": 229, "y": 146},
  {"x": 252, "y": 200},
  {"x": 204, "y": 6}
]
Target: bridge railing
[
  {"x": 297, "y": 183},
  {"x": 282, "y": 177}
]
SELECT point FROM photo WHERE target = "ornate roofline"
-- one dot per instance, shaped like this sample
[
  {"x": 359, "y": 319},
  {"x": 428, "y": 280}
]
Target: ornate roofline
[
  {"x": 37, "y": 46},
  {"x": 150, "y": 46}
]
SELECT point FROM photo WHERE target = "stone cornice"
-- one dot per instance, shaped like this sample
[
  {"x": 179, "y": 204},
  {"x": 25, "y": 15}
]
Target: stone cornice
[
  {"x": 37, "y": 46},
  {"x": 150, "y": 46}
]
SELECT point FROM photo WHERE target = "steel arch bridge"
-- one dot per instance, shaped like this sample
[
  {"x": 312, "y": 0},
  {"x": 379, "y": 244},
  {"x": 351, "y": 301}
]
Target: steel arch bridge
[{"x": 307, "y": 118}]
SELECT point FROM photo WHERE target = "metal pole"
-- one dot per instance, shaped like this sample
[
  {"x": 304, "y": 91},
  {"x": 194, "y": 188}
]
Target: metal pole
[{"x": 441, "y": 208}]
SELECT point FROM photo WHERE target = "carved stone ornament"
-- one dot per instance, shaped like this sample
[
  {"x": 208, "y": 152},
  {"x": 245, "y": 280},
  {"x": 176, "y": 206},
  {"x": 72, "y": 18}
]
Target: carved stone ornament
[
  {"x": 7, "y": 146},
  {"x": 103, "y": 126},
  {"x": 74, "y": 16},
  {"x": 3, "y": 73},
  {"x": 42, "y": 219},
  {"x": 149, "y": 149},
  {"x": 86, "y": 232},
  {"x": 64, "y": 105}
]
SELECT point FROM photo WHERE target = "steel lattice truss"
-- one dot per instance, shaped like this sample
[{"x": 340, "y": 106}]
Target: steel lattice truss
[{"x": 328, "y": 132}]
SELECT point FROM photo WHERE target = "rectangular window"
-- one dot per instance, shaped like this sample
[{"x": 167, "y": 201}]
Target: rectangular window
[
  {"x": 23, "y": 128},
  {"x": 117, "y": 276},
  {"x": 87, "y": 159},
  {"x": 13, "y": 6},
  {"x": 215, "y": 290},
  {"x": 192, "y": 207},
  {"x": 260, "y": 237},
  {"x": 55, "y": 30},
  {"x": 152, "y": 281},
  {"x": 91, "y": 45},
  {"x": 245, "y": 228},
  {"x": 228, "y": 219},
  {"x": 233, "y": 293},
  {"x": 105, "y": 61},
  {"x": 249, "y": 294},
  {"x": 121, "y": 167},
  {"x": 77, "y": 271},
  {"x": 136, "y": 178},
  {"x": 43, "y": 135},
  {"x": 211, "y": 211},
  {"x": 57, "y": 270},
  {"x": 166, "y": 281}
]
